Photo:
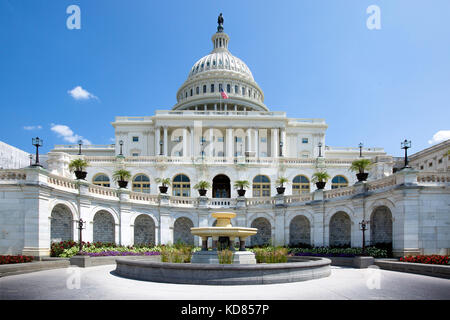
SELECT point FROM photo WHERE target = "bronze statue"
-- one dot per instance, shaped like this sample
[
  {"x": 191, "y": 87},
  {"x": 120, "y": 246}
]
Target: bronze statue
[{"x": 220, "y": 20}]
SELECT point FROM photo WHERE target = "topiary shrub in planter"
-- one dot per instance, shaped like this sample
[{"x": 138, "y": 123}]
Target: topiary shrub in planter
[
  {"x": 122, "y": 176},
  {"x": 202, "y": 187},
  {"x": 78, "y": 166},
  {"x": 240, "y": 185},
  {"x": 360, "y": 166},
  {"x": 320, "y": 178},
  {"x": 165, "y": 182}
]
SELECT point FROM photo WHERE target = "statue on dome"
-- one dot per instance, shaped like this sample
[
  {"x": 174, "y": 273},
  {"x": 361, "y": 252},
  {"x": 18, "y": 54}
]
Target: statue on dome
[{"x": 220, "y": 23}]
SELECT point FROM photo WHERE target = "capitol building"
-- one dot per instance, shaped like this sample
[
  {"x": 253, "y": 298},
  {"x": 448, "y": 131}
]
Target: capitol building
[{"x": 221, "y": 131}]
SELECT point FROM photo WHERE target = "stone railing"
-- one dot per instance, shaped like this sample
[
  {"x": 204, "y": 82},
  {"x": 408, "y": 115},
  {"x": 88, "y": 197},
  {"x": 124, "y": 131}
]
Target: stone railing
[
  {"x": 299, "y": 198},
  {"x": 260, "y": 201},
  {"x": 12, "y": 175},
  {"x": 138, "y": 196},
  {"x": 103, "y": 191},
  {"x": 339, "y": 192},
  {"x": 381, "y": 183},
  {"x": 183, "y": 201},
  {"x": 222, "y": 202},
  {"x": 61, "y": 182},
  {"x": 433, "y": 177}
]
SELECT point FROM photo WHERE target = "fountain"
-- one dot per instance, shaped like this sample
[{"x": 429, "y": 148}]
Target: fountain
[{"x": 223, "y": 236}]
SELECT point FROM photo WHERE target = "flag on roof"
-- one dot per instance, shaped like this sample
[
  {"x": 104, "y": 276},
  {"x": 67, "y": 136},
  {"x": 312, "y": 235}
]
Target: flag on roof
[{"x": 224, "y": 95}]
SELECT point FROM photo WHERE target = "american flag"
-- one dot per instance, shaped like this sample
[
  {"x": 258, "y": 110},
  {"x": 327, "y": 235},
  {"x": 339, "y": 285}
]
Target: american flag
[{"x": 224, "y": 95}]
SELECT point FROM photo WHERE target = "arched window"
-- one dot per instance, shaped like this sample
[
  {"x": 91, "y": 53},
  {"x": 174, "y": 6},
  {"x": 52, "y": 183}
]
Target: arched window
[
  {"x": 261, "y": 186},
  {"x": 300, "y": 184},
  {"x": 102, "y": 180},
  {"x": 141, "y": 183},
  {"x": 212, "y": 86},
  {"x": 197, "y": 90},
  {"x": 181, "y": 186},
  {"x": 339, "y": 182},
  {"x": 204, "y": 88},
  {"x": 228, "y": 88}
]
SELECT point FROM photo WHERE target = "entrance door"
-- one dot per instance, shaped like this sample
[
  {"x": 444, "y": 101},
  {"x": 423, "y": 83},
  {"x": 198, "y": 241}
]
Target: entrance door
[{"x": 221, "y": 186}]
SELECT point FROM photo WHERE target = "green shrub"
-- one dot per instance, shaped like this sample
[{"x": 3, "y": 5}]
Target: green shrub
[
  {"x": 270, "y": 254},
  {"x": 225, "y": 256}
]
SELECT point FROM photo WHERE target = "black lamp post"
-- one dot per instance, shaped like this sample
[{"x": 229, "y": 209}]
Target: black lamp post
[
  {"x": 80, "y": 228},
  {"x": 37, "y": 143},
  {"x": 80, "y": 142},
  {"x": 360, "y": 149},
  {"x": 363, "y": 227},
  {"x": 406, "y": 145},
  {"x": 320, "y": 149},
  {"x": 121, "y": 144}
]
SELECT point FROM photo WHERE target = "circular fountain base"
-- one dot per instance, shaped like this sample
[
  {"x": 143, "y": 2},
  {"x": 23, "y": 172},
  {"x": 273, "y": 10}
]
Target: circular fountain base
[
  {"x": 210, "y": 257},
  {"x": 303, "y": 269}
]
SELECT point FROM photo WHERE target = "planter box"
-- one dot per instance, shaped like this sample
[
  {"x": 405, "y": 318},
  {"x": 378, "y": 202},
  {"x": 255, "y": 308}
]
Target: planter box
[
  {"x": 434, "y": 270},
  {"x": 20, "y": 268},
  {"x": 87, "y": 261}
]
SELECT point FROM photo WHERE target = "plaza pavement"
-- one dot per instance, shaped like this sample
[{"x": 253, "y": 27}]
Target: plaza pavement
[{"x": 100, "y": 283}]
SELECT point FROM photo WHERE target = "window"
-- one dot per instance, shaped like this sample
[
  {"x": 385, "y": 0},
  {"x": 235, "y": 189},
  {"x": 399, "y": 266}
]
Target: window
[
  {"x": 243, "y": 91},
  {"x": 220, "y": 87},
  {"x": 207, "y": 64},
  {"x": 212, "y": 86},
  {"x": 202, "y": 139},
  {"x": 264, "y": 139},
  {"x": 263, "y": 154},
  {"x": 261, "y": 186},
  {"x": 238, "y": 139},
  {"x": 141, "y": 183},
  {"x": 219, "y": 139},
  {"x": 181, "y": 186},
  {"x": 305, "y": 155},
  {"x": 236, "y": 89},
  {"x": 228, "y": 88},
  {"x": 186, "y": 94},
  {"x": 304, "y": 140},
  {"x": 421, "y": 167},
  {"x": 440, "y": 160},
  {"x": 135, "y": 154},
  {"x": 339, "y": 182},
  {"x": 191, "y": 92},
  {"x": 102, "y": 180},
  {"x": 204, "y": 88},
  {"x": 300, "y": 185},
  {"x": 430, "y": 164},
  {"x": 197, "y": 90},
  {"x": 220, "y": 154},
  {"x": 135, "y": 139}
]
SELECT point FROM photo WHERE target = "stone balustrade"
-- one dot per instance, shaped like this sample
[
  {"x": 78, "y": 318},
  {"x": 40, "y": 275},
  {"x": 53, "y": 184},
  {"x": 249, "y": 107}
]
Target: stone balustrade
[
  {"x": 433, "y": 177},
  {"x": 9, "y": 175}
]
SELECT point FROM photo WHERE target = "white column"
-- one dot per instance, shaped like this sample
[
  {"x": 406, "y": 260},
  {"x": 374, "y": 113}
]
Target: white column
[
  {"x": 249, "y": 140},
  {"x": 275, "y": 144},
  {"x": 256, "y": 142},
  {"x": 165, "y": 142},
  {"x": 211, "y": 142},
  {"x": 283, "y": 139},
  {"x": 157, "y": 140},
  {"x": 230, "y": 143},
  {"x": 192, "y": 141},
  {"x": 185, "y": 153},
  {"x": 235, "y": 107},
  {"x": 226, "y": 107}
]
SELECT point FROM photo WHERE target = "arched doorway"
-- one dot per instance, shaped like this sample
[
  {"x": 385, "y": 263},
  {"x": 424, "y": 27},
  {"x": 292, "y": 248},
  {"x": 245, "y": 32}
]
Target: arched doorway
[
  {"x": 340, "y": 230},
  {"x": 182, "y": 231},
  {"x": 221, "y": 187},
  {"x": 299, "y": 231},
  {"x": 381, "y": 226},
  {"x": 144, "y": 230},
  {"x": 61, "y": 226},
  {"x": 264, "y": 235},
  {"x": 104, "y": 227}
]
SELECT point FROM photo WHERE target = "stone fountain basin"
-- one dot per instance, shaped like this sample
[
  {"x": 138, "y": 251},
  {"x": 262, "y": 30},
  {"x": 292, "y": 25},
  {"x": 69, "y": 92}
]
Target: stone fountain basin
[
  {"x": 224, "y": 232},
  {"x": 304, "y": 268}
]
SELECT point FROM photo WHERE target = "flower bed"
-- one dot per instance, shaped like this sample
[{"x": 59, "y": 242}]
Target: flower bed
[
  {"x": 15, "y": 259},
  {"x": 430, "y": 259},
  {"x": 270, "y": 254},
  {"x": 119, "y": 253},
  {"x": 338, "y": 252}
]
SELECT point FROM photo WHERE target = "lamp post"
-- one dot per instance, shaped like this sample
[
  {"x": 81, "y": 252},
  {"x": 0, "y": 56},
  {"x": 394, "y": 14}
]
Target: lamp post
[
  {"x": 121, "y": 144},
  {"x": 80, "y": 228},
  {"x": 360, "y": 149},
  {"x": 320, "y": 149},
  {"x": 406, "y": 145},
  {"x": 37, "y": 143},
  {"x": 363, "y": 227},
  {"x": 80, "y": 142}
]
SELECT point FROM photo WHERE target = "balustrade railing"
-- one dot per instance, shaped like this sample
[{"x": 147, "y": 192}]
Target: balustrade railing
[
  {"x": 433, "y": 177},
  {"x": 12, "y": 175}
]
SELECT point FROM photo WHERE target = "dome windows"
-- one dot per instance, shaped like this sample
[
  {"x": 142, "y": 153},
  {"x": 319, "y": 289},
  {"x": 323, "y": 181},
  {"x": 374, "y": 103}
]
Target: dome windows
[
  {"x": 204, "y": 88},
  {"x": 197, "y": 90},
  {"x": 228, "y": 88},
  {"x": 212, "y": 87}
]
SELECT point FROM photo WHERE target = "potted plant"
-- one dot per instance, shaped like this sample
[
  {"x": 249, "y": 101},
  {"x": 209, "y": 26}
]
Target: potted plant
[
  {"x": 202, "y": 187},
  {"x": 281, "y": 181},
  {"x": 320, "y": 178},
  {"x": 165, "y": 182},
  {"x": 359, "y": 166},
  {"x": 240, "y": 185},
  {"x": 122, "y": 176},
  {"x": 77, "y": 166}
]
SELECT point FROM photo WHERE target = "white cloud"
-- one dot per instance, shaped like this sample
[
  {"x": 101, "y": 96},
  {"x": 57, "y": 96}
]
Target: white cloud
[
  {"x": 440, "y": 136},
  {"x": 67, "y": 134},
  {"x": 78, "y": 93},
  {"x": 32, "y": 127}
]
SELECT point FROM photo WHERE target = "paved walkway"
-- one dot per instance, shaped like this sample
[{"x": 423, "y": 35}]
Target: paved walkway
[{"x": 100, "y": 283}]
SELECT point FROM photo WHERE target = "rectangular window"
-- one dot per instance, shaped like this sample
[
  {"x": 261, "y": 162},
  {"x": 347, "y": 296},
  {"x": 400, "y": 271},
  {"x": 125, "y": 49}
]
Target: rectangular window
[
  {"x": 212, "y": 87},
  {"x": 421, "y": 167},
  {"x": 197, "y": 90},
  {"x": 228, "y": 88},
  {"x": 243, "y": 91},
  {"x": 238, "y": 139},
  {"x": 204, "y": 89},
  {"x": 304, "y": 140},
  {"x": 135, "y": 139},
  {"x": 135, "y": 154},
  {"x": 430, "y": 164},
  {"x": 236, "y": 89},
  {"x": 219, "y": 139},
  {"x": 264, "y": 140},
  {"x": 440, "y": 160},
  {"x": 220, "y": 87}
]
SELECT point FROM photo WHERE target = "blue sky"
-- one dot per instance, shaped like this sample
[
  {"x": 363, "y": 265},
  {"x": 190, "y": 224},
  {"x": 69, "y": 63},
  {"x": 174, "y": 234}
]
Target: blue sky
[{"x": 313, "y": 59}]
